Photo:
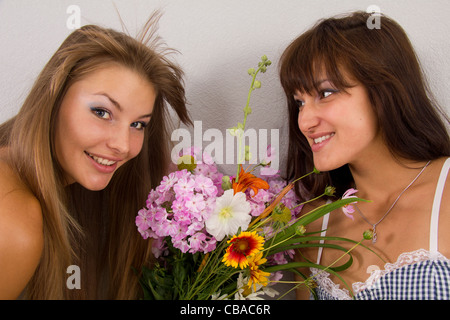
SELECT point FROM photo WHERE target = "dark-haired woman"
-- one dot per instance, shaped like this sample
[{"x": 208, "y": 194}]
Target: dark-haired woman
[{"x": 361, "y": 113}]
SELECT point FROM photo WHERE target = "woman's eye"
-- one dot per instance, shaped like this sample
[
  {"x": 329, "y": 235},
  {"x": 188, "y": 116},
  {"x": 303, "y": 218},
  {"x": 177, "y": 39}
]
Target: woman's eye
[
  {"x": 299, "y": 103},
  {"x": 327, "y": 93},
  {"x": 101, "y": 113},
  {"x": 139, "y": 125}
]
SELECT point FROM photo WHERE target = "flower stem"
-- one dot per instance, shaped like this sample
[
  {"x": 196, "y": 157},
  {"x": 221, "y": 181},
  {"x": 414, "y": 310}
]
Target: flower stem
[
  {"x": 246, "y": 113},
  {"x": 277, "y": 200}
]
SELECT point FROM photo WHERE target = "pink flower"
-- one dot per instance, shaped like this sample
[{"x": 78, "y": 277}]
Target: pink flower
[
  {"x": 268, "y": 171},
  {"x": 178, "y": 206},
  {"x": 196, "y": 242},
  {"x": 184, "y": 186},
  {"x": 181, "y": 244},
  {"x": 205, "y": 185},
  {"x": 182, "y": 174},
  {"x": 159, "y": 248},
  {"x": 277, "y": 185},
  {"x": 169, "y": 227},
  {"x": 167, "y": 183},
  {"x": 152, "y": 196},
  {"x": 256, "y": 207},
  {"x": 143, "y": 219},
  {"x": 157, "y": 214},
  {"x": 180, "y": 234},
  {"x": 183, "y": 217},
  {"x": 271, "y": 154},
  {"x": 195, "y": 203},
  {"x": 348, "y": 208},
  {"x": 210, "y": 245},
  {"x": 145, "y": 234}
]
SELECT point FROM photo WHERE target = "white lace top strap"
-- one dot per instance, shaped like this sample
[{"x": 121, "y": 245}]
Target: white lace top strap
[
  {"x": 323, "y": 233},
  {"x": 434, "y": 224}
]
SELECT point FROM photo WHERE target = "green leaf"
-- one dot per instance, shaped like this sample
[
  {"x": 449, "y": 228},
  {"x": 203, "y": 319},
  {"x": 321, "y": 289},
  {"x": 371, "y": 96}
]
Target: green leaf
[{"x": 313, "y": 216}]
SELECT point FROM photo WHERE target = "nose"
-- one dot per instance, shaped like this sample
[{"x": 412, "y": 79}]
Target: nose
[
  {"x": 308, "y": 118},
  {"x": 119, "y": 139}
]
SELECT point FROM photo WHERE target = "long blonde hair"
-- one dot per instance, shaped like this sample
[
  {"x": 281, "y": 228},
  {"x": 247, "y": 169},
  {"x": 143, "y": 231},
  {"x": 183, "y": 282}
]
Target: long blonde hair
[{"x": 81, "y": 224}]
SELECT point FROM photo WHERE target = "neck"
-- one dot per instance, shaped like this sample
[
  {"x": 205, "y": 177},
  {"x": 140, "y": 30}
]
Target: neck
[{"x": 382, "y": 179}]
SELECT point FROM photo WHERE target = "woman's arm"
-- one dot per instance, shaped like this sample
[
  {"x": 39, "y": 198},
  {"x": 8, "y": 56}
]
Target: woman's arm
[{"x": 21, "y": 236}]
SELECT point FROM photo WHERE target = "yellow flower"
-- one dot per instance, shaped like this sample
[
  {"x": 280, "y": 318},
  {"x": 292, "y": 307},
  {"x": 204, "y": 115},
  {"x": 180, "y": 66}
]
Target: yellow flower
[
  {"x": 257, "y": 276},
  {"x": 242, "y": 246},
  {"x": 186, "y": 162},
  {"x": 281, "y": 213}
]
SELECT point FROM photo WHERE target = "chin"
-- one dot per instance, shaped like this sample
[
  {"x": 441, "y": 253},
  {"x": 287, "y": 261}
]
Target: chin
[
  {"x": 325, "y": 166},
  {"x": 95, "y": 185}
]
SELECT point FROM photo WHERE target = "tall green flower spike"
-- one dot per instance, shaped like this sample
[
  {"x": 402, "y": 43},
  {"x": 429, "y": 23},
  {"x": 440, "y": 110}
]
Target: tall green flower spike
[{"x": 255, "y": 84}]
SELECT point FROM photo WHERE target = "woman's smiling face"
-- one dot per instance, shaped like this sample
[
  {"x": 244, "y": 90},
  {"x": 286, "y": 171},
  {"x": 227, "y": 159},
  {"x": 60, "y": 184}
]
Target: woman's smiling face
[
  {"x": 100, "y": 124},
  {"x": 341, "y": 127}
]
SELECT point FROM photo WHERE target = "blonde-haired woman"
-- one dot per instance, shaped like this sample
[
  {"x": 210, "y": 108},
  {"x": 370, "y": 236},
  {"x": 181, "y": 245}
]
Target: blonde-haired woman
[{"x": 77, "y": 162}]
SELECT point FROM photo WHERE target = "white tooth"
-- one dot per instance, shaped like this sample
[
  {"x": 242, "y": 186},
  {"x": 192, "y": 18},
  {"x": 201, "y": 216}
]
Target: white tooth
[
  {"x": 323, "y": 138},
  {"x": 102, "y": 161}
]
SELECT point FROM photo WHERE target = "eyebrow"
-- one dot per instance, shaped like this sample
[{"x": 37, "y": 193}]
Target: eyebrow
[
  {"x": 319, "y": 82},
  {"x": 117, "y": 104}
]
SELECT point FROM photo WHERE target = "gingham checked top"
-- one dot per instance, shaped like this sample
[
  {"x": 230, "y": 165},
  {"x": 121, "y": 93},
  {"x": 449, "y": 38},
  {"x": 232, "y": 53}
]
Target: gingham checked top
[{"x": 418, "y": 275}]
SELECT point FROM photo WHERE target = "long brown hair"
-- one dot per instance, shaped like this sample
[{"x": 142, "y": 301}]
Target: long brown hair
[
  {"x": 385, "y": 63},
  {"x": 82, "y": 226}
]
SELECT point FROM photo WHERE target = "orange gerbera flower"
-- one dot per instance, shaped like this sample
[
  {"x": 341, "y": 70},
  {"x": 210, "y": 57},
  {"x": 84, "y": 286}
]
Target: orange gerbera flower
[
  {"x": 256, "y": 274},
  {"x": 242, "y": 246},
  {"x": 247, "y": 180}
]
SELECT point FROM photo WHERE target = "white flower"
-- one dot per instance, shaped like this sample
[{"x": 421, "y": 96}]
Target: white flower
[
  {"x": 252, "y": 294},
  {"x": 231, "y": 213},
  {"x": 217, "y": 296}
]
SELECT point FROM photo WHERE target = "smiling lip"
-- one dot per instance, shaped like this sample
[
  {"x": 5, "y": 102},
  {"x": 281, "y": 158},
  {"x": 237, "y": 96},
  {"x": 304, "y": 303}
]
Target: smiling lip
[
  {"x": 320, "y": 140},
  {"x": 102, "y": 164}
]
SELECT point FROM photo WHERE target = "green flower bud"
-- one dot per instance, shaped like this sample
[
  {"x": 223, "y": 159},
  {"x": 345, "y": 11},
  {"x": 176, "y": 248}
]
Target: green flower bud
[
  {"x": 248, "y": 154},
  {"x": 329, "y": 191},
  {"x": 233, "y": 131},
  {"x": 300, "y": 230},
  {"x": 251, "y": 71},
  {"x": 236, "y": 131},
  {"x": 257, "y": 84},
  {"x": 368, "y": 234},
  {"x": 311, "y": 283},
  {"x": 226, "y": 183}
]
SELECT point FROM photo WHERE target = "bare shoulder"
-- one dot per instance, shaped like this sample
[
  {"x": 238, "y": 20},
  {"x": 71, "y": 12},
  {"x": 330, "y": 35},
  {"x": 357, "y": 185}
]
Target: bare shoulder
[
  {"x": 444, "y": 219},
  {"x": 21, "y": 233}
]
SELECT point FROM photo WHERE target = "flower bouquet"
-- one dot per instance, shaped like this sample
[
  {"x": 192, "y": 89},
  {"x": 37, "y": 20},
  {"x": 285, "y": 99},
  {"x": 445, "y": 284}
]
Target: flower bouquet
[{"x": 221, "y": 237}]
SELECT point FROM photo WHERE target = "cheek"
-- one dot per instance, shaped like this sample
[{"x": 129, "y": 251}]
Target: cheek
[
  {"x": 78, "y": 132},
  {"x": 136, "y": 142},
  {"x": 66, "y": 135}
]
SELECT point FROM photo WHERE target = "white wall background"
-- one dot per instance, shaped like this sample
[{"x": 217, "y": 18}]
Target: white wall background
[{"x": 218, "y": 41}]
